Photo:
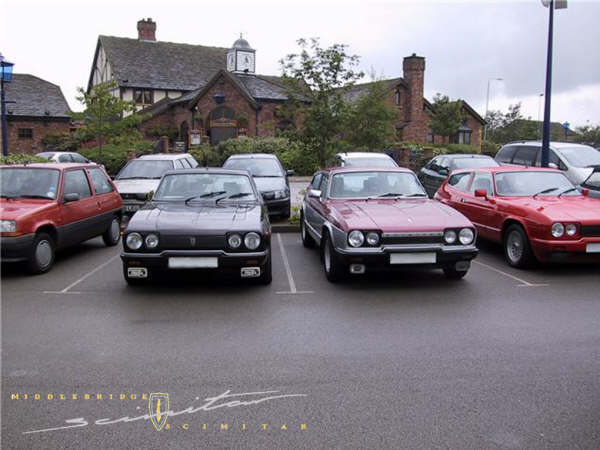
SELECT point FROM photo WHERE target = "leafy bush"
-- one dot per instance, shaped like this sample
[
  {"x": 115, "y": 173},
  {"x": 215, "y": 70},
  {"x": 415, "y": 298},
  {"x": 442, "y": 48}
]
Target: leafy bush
[
  {"x": 21, "y": 159},
  {"x": 66, "y": 142},
  {"x": 206, "y": 156},
  {"x": 114, "y": 156},
  {"x": 489, "y": 148},
  {"x": 163, "y": 130}
]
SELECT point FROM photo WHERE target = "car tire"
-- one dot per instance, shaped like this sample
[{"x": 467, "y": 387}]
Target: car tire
[
  {"x": 517, "y": 249},
  {"x": 452, "y": 274},
  {"x": 333, "y": 267},
  {"x": 266, "y": 273},
  {"x": 134, "y": 281},
  {"x": 112, "y": 235},
  {"x": 42, "y": 257},
  {"x": 307, "y": 239}
]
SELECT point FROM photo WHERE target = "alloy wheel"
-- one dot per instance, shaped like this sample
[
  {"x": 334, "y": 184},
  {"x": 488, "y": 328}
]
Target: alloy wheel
[{"x": 514, "y": 246}]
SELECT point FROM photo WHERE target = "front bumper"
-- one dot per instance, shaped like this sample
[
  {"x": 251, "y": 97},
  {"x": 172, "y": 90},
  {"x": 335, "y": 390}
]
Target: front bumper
[
  {"x": 580, "y": 250},
  {"x": 17, "y": 248},
  {"x": 278, "y": 207}
]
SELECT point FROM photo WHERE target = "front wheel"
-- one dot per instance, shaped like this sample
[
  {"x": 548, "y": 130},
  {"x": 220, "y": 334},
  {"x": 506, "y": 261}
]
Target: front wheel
[
  {"x": 113, "y": 233},
  {"x": 43, "y": 254},
  {"x": 334, "y": 268},
  {"x": 517, "y": 249}
]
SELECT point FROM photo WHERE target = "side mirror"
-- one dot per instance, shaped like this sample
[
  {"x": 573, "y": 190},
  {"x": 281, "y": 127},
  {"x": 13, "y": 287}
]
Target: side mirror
[
  {"x": 444, "y": 171},
  {"x": 149, "y": 196},
  {"x": 314, "y": 193},
  {"x": 585, "y": 192},
  {"x": 481, "y": 193},
  {"x": 290, "y": 172},
  {"x": 72, "y": 197}
]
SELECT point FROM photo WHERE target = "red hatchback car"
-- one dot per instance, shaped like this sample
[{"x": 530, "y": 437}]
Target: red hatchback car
[
  {"x": 366, "y": 219},
  {"x": 45, "y": 207},
  {"x": 535, "y": 213}
]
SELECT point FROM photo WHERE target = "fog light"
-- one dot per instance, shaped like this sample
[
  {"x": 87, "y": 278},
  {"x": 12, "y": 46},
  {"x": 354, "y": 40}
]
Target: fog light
[{"x": 357, "y": 269}]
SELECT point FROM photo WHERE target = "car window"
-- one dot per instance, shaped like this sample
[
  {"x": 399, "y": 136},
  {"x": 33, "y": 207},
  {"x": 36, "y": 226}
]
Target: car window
[
  {"x": 77, "y": 183},
  {"x": 29, "y": 182},
  {"x": 207, "y": 187},
  {"x": 100, "y": 182},
  {"x": 65, "y": 158},
  {"x": 78, "y": 158},
  {"x": 472, "y": 163},
  {"x": 192, "y": 162},
  {"x": 178, "y": 164},
  {"x": 460, "y": 181},
  {"x": 323, "y": 186},
  {"x": 375, "y": 184},
  {"x": 506, "y": 154},
  {"x": 525, "y": 155},
  {"x": 526, "y": 184},
  {"x": 582, "y": 156},
  {"x": 482, "y": 180},
  {"x": 258, "y": 167},
  {"x": 145, "y": 169},
  {"x": 316, "y": 181},
  {"x": 370, "y": 162},
  {"x": 552, "y": 159}
]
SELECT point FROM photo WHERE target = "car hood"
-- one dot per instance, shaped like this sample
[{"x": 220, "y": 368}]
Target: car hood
[
  {"x": 576, "y": 209},
  {"x": 134, "y": 186},
  {"x": 266, "y": 184},
  {"x": 390, "y": 215},
  {"x": 178, "y": 217},
  {"x": 16, "y": 209}
]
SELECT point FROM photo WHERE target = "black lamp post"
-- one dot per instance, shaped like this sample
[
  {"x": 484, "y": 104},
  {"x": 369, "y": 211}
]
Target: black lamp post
[
  {"x": 551, "y": 5},
  {"x": 6, "y": 71}
]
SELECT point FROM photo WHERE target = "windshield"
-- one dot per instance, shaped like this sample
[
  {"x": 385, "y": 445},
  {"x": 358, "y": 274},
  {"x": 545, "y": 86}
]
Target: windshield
[
  {"x": 145, "y": 168},
  {"x": 526, "y": 184},
  {"x": 207, "y": 186},
  {"x": 29, "y": 183},
  {"x": 471, "y": 163},
  {"x": 47, "y": 155},
  {"x": 583, "y": 156},
  {"x": 257, "y": 167},
  {"x": 369, "y": 162},
  {"x": 593, "y": 181},
  {"x": 375, "y": 184}
]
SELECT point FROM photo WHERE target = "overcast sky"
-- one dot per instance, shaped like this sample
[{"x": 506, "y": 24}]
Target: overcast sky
[{"x": 464, "y": 43}]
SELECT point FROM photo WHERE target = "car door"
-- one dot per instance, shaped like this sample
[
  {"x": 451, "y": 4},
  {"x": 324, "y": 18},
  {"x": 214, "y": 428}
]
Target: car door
[
  {"x": 106, "y": 196},
  {"x": 482, "y": 211},
  {"x": 456, "y": 189},
  {"x": 79, "y": 217},
  {"x": 309, "y": 202},
  {"x": 525, "y": 155}
]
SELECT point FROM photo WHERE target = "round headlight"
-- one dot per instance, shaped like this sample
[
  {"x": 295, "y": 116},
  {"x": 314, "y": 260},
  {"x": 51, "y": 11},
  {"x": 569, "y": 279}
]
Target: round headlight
[
  {"x": 450, "y": 236},
  {"x": 356, "y": 238},
  {"x": 466, "y": 236},
  {"x": 252, "y": 240},
  {"x": 558, "y": 230},
  {"x": 571, "y": 229},
  {"x": 372, "y": 238},
  {"x": 151, "y": 241},
  {"x": 234, "y": 240},
  {"x": 134, "y": 241}
]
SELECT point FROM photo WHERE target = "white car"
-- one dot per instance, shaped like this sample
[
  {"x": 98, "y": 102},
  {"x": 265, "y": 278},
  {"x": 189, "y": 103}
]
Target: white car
[
  {"x": 64, "y": 157},
  {"x": 140, "y": 176},
  {"x": 365, "y": 159}
]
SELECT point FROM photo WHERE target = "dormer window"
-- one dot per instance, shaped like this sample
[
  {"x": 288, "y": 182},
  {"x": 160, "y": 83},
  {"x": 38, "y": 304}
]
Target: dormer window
[{"x": 397, "y": 97}]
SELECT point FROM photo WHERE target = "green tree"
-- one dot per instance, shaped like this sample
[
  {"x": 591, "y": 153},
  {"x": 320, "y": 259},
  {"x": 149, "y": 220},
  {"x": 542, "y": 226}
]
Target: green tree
[
  {"x": 589, "y": 135},
  {"x": 370, "y": 118},
  {"x": 447, "y": 116},
  {"x": 107, "y": 117},
  {"x": 511, "y": 126},
  {"x": 316, "y": 80}
]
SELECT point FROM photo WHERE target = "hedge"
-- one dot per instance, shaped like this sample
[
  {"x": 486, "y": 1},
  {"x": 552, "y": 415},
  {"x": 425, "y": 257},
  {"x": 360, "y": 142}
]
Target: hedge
[
  {"x": 21, "y": 159},
  {"x": 114, "y": 156}
]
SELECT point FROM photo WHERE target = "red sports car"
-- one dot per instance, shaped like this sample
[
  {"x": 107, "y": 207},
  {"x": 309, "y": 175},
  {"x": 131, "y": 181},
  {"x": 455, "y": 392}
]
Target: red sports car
[
  {"x": 365, "y": 219},
  {"x": 536, "y": 213}
]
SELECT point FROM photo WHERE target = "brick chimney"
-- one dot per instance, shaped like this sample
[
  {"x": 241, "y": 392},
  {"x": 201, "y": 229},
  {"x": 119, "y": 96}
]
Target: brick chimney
[
  {"x": 146, "y": 30},
  {"x": 417, "y": 127}
]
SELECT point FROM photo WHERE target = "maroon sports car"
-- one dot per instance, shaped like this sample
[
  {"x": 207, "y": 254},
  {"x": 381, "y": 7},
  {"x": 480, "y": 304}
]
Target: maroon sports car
[{"x": 366, "y": 219}]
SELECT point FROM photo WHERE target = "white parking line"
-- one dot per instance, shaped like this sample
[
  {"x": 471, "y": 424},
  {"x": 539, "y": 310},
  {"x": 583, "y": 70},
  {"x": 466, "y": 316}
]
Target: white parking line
[
  {"x": 89, "y": 274},
  {"x": 520, "y": 280},
  {"x": 288, "y": 271}
]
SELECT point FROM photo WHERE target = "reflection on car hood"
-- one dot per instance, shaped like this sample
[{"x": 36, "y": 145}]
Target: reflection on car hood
[
  {"x": 16, "y": 209},
  {"x": 198, "y": 217},
  {"x": 390, "y": 215},
  {"x": 266, "y": 184},
  {"x": 576, "y": 209},
  {"x": 136, "y": 186}
]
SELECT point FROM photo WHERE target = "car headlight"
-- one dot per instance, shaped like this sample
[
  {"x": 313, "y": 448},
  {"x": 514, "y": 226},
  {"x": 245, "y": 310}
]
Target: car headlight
[
  {"x": 252, "y": 240},
  {"x": 8, "y": 226},
  {"x": 151, "y": 241},
  {"x": 450, "y": 236},
  {"x": 558, "y": 229},
  {"x": 234, "y": 240},
  {"x": 466, "y": 236},
  {"x": 356, "y": 238},
  {"x": 372, "y": 238},
  {"x": 280, "y": 194},
  {"x": 571, "y": 229},
  {"x": 134, "y": 241}
]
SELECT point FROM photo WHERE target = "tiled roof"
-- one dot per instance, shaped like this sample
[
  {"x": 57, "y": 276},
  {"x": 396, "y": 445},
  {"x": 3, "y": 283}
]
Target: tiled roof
[
  {"x": 263, "y": 87},
  {"x": 35, "y": 97},
  {"x": 162, "y": 65},
  {"x": 358, "y": 90}
]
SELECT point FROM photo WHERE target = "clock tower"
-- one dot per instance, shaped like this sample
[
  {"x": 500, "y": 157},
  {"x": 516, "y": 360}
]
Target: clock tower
[{"x": 241, "y": 57}]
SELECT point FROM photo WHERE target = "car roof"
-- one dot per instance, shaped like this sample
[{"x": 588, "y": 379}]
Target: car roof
[
  {"x": 335, "y": 170},
  {"x": 252, "y": 155},
  {"x": 466, "y": 155},
  {"x": 52, "y": 165},
  {"x": 165, "y": 156},
  {"x": 553, "y": 144},
  {"x": 214, "y": 170},
  {"x": 496, "y": 169},
  {"x": 362, "y": 155}
]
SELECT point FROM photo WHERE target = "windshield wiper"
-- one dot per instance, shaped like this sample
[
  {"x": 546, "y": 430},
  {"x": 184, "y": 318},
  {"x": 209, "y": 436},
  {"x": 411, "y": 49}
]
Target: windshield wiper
[
  {"x": 545, "y": 191},
  {"x": 138, "y": 178},
  {"x": 416, "y": 195},
  {"x": 207, "y": 195},
  {"x": 568, "y": 190},
  {"x": 391, "y": 194},
  {"x": 241, "y": 194},
  {"x": 35, "y": 196}
]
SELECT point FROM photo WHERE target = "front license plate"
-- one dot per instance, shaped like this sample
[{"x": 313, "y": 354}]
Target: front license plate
[
  {"x": 131, "y": 208},
  {"x": 593, "y": 248},
  {"x": 250, "y": 272},
  {"x": 137, "y": 272},
  {"x": 413, "y": 258},
  {"x": 193, "y": 262}
]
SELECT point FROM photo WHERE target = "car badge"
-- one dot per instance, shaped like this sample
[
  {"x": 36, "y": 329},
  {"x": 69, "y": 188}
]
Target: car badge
[
  {"x": 192, "y": 241},
  {"x": 158, "y": 407}
]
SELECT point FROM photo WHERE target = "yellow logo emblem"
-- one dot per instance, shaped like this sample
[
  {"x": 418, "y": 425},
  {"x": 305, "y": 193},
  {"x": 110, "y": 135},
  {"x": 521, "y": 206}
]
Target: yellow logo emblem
[{"x": 158, "y": 406}]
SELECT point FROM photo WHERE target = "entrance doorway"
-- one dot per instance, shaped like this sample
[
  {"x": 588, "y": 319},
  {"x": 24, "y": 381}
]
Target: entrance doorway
[{"x": 222, "y": 124}]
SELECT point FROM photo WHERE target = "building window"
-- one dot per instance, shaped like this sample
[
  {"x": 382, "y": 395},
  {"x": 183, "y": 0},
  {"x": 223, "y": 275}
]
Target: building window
[
  {"x": 430, "y": 137},
  {"x": 397, "y": 97},
  {"x": 464, "y": 137},
  {"x": 143, "y": 96},
  {"x": 25, "y": 133}
]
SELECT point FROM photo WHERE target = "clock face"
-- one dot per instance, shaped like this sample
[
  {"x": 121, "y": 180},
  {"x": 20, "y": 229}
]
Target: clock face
[
  {"x": 230, "y": 62},
  {"x": 245, "y": 61}
]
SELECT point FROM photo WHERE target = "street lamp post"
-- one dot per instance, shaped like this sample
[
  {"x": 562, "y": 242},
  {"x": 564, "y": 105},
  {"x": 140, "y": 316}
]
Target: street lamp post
[
  {"x": 551, "y": 5},
  {"x": 5, "y": 77},
  {"x": 539, "y": 119},
  {"x": 487, "y": 104}
]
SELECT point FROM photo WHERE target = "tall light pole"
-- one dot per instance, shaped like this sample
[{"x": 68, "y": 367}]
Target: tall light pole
[
  {"x": 551, "y": 5},
  {"x": 487, "y": 104},
  {"x": 6, "y": 69},
  {"x": 540, "y": 114}
]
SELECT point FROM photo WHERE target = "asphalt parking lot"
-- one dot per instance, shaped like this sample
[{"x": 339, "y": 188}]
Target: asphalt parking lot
[{"x": 502, "y": 359}]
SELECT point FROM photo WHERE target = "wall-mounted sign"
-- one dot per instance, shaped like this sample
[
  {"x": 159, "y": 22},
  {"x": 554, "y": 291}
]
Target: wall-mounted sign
[{"x": 180, "y": 146}]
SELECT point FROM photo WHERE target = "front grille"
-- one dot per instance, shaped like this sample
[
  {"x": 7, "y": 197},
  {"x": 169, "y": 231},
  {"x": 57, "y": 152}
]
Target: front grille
[
  {"x": 407, "y": 240},
  {"x": 590, "y": 230},
  {"x": 133, "y": 197},
  {"x": 184, "y": 242},
  {"x": 268, "y": 195}
]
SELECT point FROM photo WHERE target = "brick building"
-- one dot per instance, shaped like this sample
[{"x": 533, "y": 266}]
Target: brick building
[
  {"x": 216, "y": 91},
  {"x": 39, "y": 109}
]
